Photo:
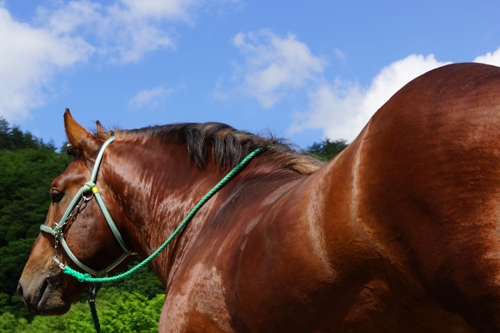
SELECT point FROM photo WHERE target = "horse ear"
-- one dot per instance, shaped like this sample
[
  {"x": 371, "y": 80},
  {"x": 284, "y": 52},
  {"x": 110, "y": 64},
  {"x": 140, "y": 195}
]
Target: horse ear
[
  {"x": 100, "y": 129},
  {"x": 79, "y": 137}
]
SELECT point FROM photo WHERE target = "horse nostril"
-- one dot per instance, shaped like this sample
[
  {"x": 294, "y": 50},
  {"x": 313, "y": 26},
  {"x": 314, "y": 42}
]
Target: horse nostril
[{"x": 20, "y": 291}]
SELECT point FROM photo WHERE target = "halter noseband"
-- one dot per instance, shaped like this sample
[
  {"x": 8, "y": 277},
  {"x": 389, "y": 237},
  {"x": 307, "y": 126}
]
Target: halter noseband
[{"x": 86, "y": 193}]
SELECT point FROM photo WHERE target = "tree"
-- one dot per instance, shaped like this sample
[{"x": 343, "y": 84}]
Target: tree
[
  {"x": 326, "y": 149},
  {"x": 27, "y": 166},
  {"x": 12, "y": 138},
  {"x": 143, "y": 281},
  {"x": 4, "y": 134}
]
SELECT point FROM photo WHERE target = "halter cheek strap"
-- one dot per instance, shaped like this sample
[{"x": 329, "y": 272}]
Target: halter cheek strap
[{"x": 86, "y": 193}]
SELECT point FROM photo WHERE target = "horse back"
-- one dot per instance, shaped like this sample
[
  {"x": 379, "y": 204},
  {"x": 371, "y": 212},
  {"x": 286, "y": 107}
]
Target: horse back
[{"x": 400, "y": 228}]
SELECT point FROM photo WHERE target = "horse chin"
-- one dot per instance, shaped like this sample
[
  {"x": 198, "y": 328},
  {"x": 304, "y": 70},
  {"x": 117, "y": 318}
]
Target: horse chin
[
  {"x": 47, "y": 300},
  {"x": 51, "y": 303}
]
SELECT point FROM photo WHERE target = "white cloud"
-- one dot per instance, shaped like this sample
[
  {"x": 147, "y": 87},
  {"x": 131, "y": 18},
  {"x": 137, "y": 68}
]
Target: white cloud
[
  {"x": 334, "y": 107},
  {"x": 166, "y": 9},
  {"x": 342, "y": 108},
  {"x": 150, "y": 98},
  {"x": 339, "y": 54},
  {"x": 490, "y": 58},
  {"x": 124, "y": 31},
  {"x": 71, "y": 32},
  {"x": 29, "y": 58},
  {"x": 219, "y": 93},
  {"x": 67, "y": 18},
  {"x": 274, "y": 65},
  {"x": 394, "y": 77}
]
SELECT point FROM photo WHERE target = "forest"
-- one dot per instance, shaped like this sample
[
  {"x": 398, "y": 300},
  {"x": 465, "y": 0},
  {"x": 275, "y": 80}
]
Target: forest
[{"x": 27, "y": 167}]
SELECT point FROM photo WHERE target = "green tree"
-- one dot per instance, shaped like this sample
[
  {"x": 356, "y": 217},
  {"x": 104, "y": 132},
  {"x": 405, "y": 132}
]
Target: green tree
[
  {"x": 143, "y": 281},
  {"x": 13, "y": 138},
  {"x": 4, "y": 134},
  {"x": 327, "y": 149},
  {"x": 24, "y": 183},
  {"x": 11, "y": 324},
  {"x": 27, "y": 166},
  {"x": 131, "y": 312}
]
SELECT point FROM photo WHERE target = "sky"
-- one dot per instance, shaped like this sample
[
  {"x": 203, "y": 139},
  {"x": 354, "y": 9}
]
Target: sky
[{"x": 301, "y": 70}]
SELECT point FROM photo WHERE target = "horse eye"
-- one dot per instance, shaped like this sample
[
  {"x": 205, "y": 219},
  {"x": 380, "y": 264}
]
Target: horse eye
[{"x": 56, "y": 196}]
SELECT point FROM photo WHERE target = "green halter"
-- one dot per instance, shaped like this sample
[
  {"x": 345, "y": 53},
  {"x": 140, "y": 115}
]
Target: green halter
[{"x": 86, "y": 193}]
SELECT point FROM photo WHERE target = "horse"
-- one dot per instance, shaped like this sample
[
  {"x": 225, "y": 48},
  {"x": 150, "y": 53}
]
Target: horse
[{"x": 399, "y": 233}]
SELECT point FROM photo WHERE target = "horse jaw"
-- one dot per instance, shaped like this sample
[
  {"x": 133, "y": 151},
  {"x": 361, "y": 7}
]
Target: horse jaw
[{"x": 42, "y": 297}]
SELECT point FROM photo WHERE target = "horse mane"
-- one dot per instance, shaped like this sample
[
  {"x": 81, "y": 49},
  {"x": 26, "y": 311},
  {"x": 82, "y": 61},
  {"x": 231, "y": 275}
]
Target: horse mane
[{"x": 228, "y": 145}]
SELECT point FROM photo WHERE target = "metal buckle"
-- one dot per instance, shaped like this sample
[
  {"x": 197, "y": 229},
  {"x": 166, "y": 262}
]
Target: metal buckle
[
  {"x": 89, "y": 197},
  {"x": 92, "y": 293}
]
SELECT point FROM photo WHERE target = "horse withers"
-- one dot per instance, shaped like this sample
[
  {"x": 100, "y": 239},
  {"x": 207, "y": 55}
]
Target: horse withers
[{"x": 399, "y": 233}]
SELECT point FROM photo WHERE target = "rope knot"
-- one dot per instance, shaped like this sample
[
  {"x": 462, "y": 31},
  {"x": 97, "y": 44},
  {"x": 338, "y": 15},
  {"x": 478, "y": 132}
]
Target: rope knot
[
  {"x": 88, "y": 186},
  {"x": 83, "y": 277}
]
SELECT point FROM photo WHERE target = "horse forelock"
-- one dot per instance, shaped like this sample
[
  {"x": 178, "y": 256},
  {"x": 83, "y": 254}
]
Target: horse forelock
[{"x": 227, "y": 145}]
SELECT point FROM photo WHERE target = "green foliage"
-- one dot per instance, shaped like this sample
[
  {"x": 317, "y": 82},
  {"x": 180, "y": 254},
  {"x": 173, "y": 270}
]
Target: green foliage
[
  {"x": 27, "y": 166},
  {"x": 118, "y": 311},
  {"x": 130, "y": 312},
  {"x": 14, "y": 139},
  {"x": 143, "y": 281},
  {"x": 12, "y": 260},
  {"x": 327, "y": 149},
  {"x": 12, "y": 324},
  {"x": 24, "y": 182}
]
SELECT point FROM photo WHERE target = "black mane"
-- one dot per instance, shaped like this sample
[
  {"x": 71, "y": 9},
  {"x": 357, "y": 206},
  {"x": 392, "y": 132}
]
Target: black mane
[{"x": 228, "y": 145}]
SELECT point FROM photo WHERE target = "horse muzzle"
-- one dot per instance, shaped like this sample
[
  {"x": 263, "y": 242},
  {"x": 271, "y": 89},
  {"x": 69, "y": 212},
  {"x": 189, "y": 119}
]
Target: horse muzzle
[{"x": 43, "y": 296}]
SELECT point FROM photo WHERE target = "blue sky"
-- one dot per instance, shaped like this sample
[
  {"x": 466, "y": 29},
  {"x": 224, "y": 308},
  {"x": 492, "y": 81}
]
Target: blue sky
[{"x": 304, "y": 70}]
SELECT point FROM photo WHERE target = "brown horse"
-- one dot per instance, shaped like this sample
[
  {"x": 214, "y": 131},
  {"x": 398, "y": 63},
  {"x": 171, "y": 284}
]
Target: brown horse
[{"x": 399, "y": 233}]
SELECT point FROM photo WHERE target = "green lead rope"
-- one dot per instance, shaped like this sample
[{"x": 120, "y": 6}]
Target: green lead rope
[
  {"x": 93, "y": 311},
  {"x": 86, "y": 277},
  {"x": 95, "y": 318}
]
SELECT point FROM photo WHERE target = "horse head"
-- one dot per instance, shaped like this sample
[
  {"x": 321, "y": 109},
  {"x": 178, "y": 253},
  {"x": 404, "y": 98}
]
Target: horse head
[{"x": 75, "y": 232}]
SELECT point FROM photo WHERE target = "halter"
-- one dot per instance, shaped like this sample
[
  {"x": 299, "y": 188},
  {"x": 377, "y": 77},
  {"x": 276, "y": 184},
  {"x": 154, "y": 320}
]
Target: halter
[{"x": 85, "y": 194}]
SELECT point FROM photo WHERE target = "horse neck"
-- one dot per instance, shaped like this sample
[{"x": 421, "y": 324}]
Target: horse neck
[{"x": 155, "y": 190}]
